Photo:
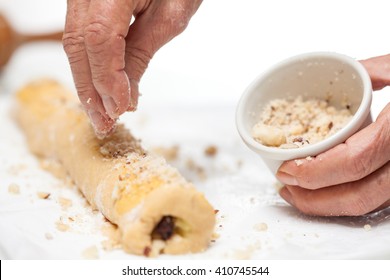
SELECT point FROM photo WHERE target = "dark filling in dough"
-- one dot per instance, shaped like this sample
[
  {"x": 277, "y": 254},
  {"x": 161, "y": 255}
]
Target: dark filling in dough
[{"x": 165, "y": 228}]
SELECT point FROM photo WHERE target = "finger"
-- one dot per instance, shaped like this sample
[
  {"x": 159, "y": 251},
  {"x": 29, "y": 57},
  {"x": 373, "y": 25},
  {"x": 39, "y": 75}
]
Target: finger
[
  {"x": 155, "y": 26},
  {"x": 349, "y": 199},
  {"x": 359, "y": 156},
  {"x": 379, "y": 70},
  {"x": 106, "y": 27},
  {"x": 73, "y": 42}
]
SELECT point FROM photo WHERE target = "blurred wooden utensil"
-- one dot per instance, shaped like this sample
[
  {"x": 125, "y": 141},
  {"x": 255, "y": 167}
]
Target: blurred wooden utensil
[{"x": 10, "y": 40}]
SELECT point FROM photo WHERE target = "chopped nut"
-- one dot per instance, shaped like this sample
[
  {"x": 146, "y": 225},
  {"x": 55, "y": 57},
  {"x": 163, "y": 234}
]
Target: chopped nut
[
  {"x": 48, "y": 236},
  {"x": 367, "y": 227},
  {"x": 14, "y": 188},
  {"x": 298, "y": 162},
  {"x": 299, "y": 122},
  {"x": 297, "y": 139},
  {"x": 61, "y": 226},
  {"x": 43, "y": 195},
  {"x": 268, "y": 135},
  {"x": 261, "y": 227},
  {"x": 211, "y": 151},
  {"x": 169, "y": 153},
  {"x": 90, "y": 253},
  {"x": 65, "y": 203}
]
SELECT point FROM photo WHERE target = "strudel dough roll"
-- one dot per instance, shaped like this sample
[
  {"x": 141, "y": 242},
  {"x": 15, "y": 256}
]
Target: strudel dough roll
[{"x": 155, "y": 208}]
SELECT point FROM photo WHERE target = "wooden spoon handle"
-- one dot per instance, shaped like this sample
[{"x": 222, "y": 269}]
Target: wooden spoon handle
[{"x": 54, "y": 36}]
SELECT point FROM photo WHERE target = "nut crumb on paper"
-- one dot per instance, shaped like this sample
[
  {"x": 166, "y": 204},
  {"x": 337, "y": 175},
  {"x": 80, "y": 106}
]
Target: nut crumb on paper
[
  {"x": 169, "y": 153},
  {"x": 90, "y": 253},
  {"x": 14, "y": 188},
  {"x": 199, "y": 170},
  {"x": 367, "y": 227},
  {"x": 48, "y": 236},
  {"x": 297, "y": 123},
  {"x": 247, "y": 252},
  {"x": 65, "y": 203},
  {"x": 61, "y": 226},
  {"x": 43, "y": 195},
  {"x": 261, "y": 227},
  {"x": 16, "y": 169},
  {"x": 211, "y": 151}
]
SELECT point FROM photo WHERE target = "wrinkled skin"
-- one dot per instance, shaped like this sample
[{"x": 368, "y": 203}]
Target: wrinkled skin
[
  {"x": 108, "y": 56},
  {"x": 352, "y": 178}
]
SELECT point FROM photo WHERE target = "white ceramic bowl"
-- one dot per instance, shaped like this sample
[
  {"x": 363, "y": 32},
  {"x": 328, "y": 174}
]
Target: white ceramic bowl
[{"x": 309, "y": 75}]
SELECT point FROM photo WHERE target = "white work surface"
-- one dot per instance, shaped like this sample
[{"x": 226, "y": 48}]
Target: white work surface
[{"x": 190, "y": 92}]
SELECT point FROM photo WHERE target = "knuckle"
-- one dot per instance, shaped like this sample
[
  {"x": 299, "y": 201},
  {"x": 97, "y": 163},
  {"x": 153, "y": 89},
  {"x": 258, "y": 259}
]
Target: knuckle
[
  {"x": 96, "y": 34},
  {"x": 73, "y": 43}
]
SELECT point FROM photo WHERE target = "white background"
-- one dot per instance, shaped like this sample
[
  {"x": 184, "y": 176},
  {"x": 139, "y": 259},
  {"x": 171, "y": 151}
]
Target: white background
[{"x": 189, "y": 95}]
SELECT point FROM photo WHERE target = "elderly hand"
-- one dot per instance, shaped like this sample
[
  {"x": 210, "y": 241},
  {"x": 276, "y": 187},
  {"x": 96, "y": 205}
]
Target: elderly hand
[
  {"x": 108, "y": 56},
  {"x": 352, "y": 178}
]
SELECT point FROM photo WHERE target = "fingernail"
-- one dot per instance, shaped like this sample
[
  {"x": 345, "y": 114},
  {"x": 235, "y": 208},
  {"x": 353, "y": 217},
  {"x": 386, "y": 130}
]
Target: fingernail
[
  {"x": 101, "y": 125},
  {"x": 96, "y": 118},
  {"x": 286, "y": 195},
  {"x": 286, "y": 178},
  {"x": 132, "y": 105},
  {"x": 110, "y": 106}
]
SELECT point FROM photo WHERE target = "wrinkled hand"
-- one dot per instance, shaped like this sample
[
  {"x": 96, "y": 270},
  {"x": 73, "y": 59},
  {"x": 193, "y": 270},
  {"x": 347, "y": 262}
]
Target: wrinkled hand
[
  {"x": 108, "y": 56},
  {"x": 352, "y": 178}
]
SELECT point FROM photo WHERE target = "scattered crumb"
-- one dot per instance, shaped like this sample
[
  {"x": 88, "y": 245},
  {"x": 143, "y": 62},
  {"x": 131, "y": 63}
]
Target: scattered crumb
[
  {"x": 48, "y": 236},
  {"x": 191, "y": 165},
  {"x": 54, "y": 167},
  {"x": 261, "y": 227},
  {"x": 14, "y": 188},
  {"x": 211, "y": 151},
  {"x": 298, "y": 162},
  {"x": 16, "y": 169},
  {"x": 120, "y": 144},
  {"x": 216, "y": 211},
  {"x": 309, "y": 158},
  {"x": 90, "y": 253},
  {"x": 43, "y": 195},
  {"x": 169, "y": 153},
  {"x": 113, "y": 235},
  {"x": 65, "y": 203},
  {"x": 61, "y": 226},
  {"x": 89, "y": 100},
  {"x": 247, "y": 252},
  {"x": 367, "y": 227},
  {"x": 215, "y": 236}
]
